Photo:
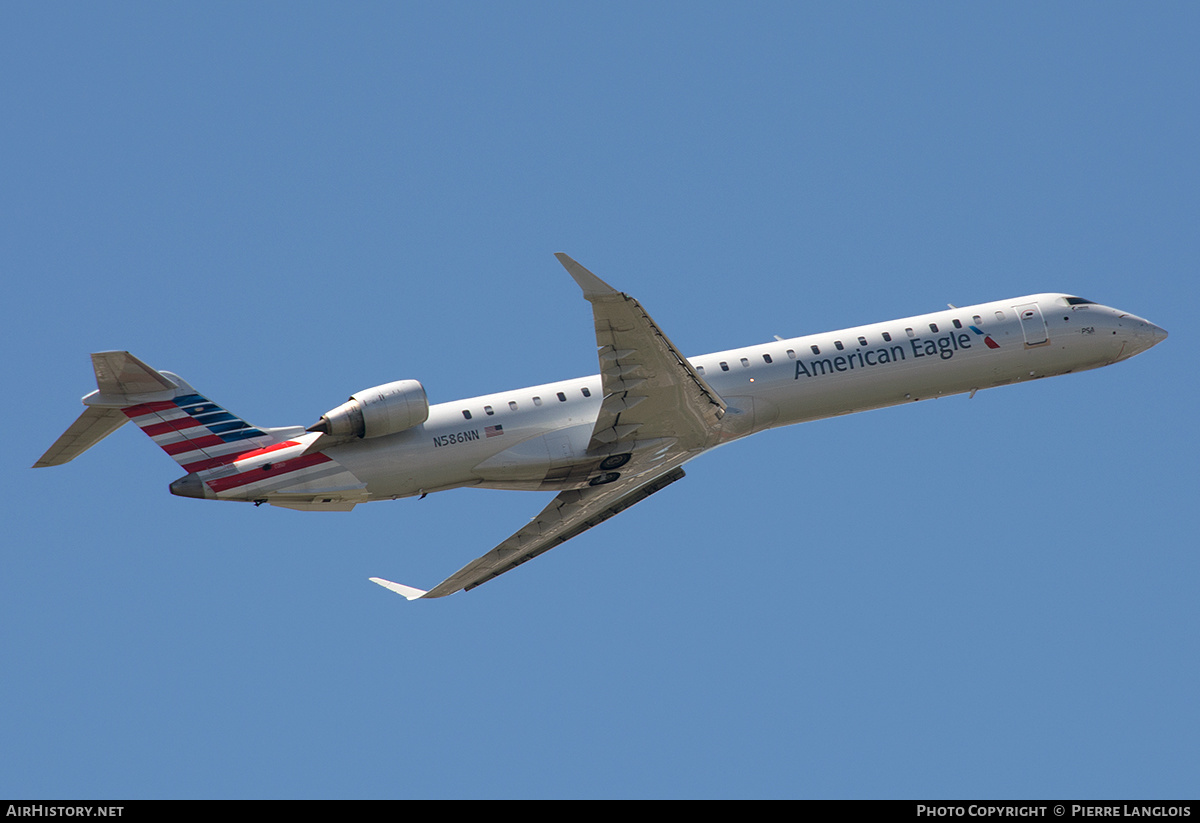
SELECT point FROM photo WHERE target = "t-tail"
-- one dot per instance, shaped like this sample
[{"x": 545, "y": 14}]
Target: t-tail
[
  {"x": 224, "y": 456},
  {"x": 197, "y": 433}
]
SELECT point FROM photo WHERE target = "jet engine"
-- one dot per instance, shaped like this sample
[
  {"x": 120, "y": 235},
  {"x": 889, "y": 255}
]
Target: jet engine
[{"x": 386, "y": 409}]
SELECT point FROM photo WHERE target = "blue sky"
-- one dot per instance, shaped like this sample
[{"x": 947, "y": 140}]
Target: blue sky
[{"x": 286, "y": 203}]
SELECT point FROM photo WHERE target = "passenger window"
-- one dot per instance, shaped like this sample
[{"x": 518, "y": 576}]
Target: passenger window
[
  {"x": 724, "y": 366},
  {"x": 745, "y": 363},
  {"x": 815, "y": 349},
  {"x": 466, "y": 414},
  {"x": 978, "y": 320},
  {"x": 887, "y": 337},
  {"x": 838, "y": 345},
  {"x": 537, "y": 401},
  {"x": 933, "y": 327},
  {"x": 999, "y": 315},
  {"x": 700, "y": 370},
  {"x": 766, "y": 358},
  {"x": 791, "y": 355},
  {"x": 562, "y": 398},
  {"x": 488, "y": 410},
  {"x": 909, "y": 332},
  {"x": 957, "y": 324},
  {"x": 586, "y": 391},
  {"x": 512, "y": 405},
  {"x": 862, "y": 341}
]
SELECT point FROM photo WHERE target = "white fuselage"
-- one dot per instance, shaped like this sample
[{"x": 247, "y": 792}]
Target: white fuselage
[{"x": 528, "y": 438}]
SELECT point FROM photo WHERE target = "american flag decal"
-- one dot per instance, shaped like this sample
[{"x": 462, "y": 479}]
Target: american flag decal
[{"x": 494, "y": 431}]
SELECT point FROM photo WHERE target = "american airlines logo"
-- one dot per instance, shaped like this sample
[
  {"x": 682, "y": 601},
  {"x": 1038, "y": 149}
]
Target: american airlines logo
[{"x": 987, "y": 338}]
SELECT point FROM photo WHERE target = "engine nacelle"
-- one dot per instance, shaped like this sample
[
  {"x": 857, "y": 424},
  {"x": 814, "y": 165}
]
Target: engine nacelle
[{"x": 386, "y": 409}]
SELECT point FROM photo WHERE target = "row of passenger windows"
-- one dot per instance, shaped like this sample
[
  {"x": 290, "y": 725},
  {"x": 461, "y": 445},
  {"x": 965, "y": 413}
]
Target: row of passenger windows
[
  {"x": 862, "y": 341},
  {"x": 537, "y": 401},
  {"x": 745, "y": 361}
]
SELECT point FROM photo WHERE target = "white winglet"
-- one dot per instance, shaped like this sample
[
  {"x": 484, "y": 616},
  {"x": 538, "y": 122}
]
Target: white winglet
[{"x": 407, "y": 591}]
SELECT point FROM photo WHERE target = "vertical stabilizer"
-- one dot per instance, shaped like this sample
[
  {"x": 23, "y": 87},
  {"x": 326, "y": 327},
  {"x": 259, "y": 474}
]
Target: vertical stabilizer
[{"x": 197, "y": 433}]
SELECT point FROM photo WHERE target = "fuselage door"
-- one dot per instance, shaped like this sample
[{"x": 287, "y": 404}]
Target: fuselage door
[{"x": 1033, "y": 325}]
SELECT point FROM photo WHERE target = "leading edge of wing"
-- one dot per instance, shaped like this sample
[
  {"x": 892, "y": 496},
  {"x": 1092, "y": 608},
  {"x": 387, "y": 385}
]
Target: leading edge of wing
[{"x": 569, "y": 514}]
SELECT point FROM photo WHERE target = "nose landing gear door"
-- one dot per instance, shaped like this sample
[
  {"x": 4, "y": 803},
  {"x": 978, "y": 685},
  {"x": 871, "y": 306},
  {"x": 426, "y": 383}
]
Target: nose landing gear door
[{"x": 1033, "y": 325}]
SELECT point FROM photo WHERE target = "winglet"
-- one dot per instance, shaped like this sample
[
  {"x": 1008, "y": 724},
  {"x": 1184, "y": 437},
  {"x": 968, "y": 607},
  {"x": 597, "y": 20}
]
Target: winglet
[
  {"x": 592, "y": 285},
  {"x": 406, "y": 591}
]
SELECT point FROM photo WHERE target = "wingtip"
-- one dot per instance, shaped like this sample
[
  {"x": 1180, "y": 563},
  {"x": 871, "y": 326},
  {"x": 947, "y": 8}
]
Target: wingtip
[
  {"x": 408, "y": 592},
  {"x": 590, "y": 283}
]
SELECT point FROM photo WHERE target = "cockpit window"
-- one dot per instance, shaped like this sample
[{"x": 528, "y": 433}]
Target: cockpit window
[{"x": 1079, "y": 301}]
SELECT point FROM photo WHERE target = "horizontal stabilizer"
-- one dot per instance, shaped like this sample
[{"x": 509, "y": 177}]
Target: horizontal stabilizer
[
  {"x": 407, "y": 591},
  {"x": 93, "y": 425},
  {"x": 120, "y": 373}
]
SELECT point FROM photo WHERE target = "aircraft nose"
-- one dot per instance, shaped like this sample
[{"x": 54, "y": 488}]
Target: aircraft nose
[
  {"x": 1151, "y": 334},
  {"x": 1141, "y": 335}
]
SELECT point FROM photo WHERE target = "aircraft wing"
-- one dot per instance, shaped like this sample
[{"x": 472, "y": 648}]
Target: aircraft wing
[
  {"x": 657, "y": 413},
  {"x": 571, "y": 513},
  {"x": 650, "y": 389}
]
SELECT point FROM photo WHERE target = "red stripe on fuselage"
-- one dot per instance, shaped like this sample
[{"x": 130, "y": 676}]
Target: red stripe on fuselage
[
  {"x": 245, "y": 478},
  {"x": 267, "y": 449},
  {"x": 233, "y": 457},
  {"x": 208, "y": 463}
]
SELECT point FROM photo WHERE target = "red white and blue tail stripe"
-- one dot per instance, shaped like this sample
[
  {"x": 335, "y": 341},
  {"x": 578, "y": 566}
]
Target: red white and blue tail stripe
[
  {"x": 232, "y": 460},
  {"x": 196, "y": 432},
  {"x": 225, "y": 457}
]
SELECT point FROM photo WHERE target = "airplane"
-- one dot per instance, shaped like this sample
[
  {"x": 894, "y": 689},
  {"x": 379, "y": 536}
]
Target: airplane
[{"x": 604, "y": 442}]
